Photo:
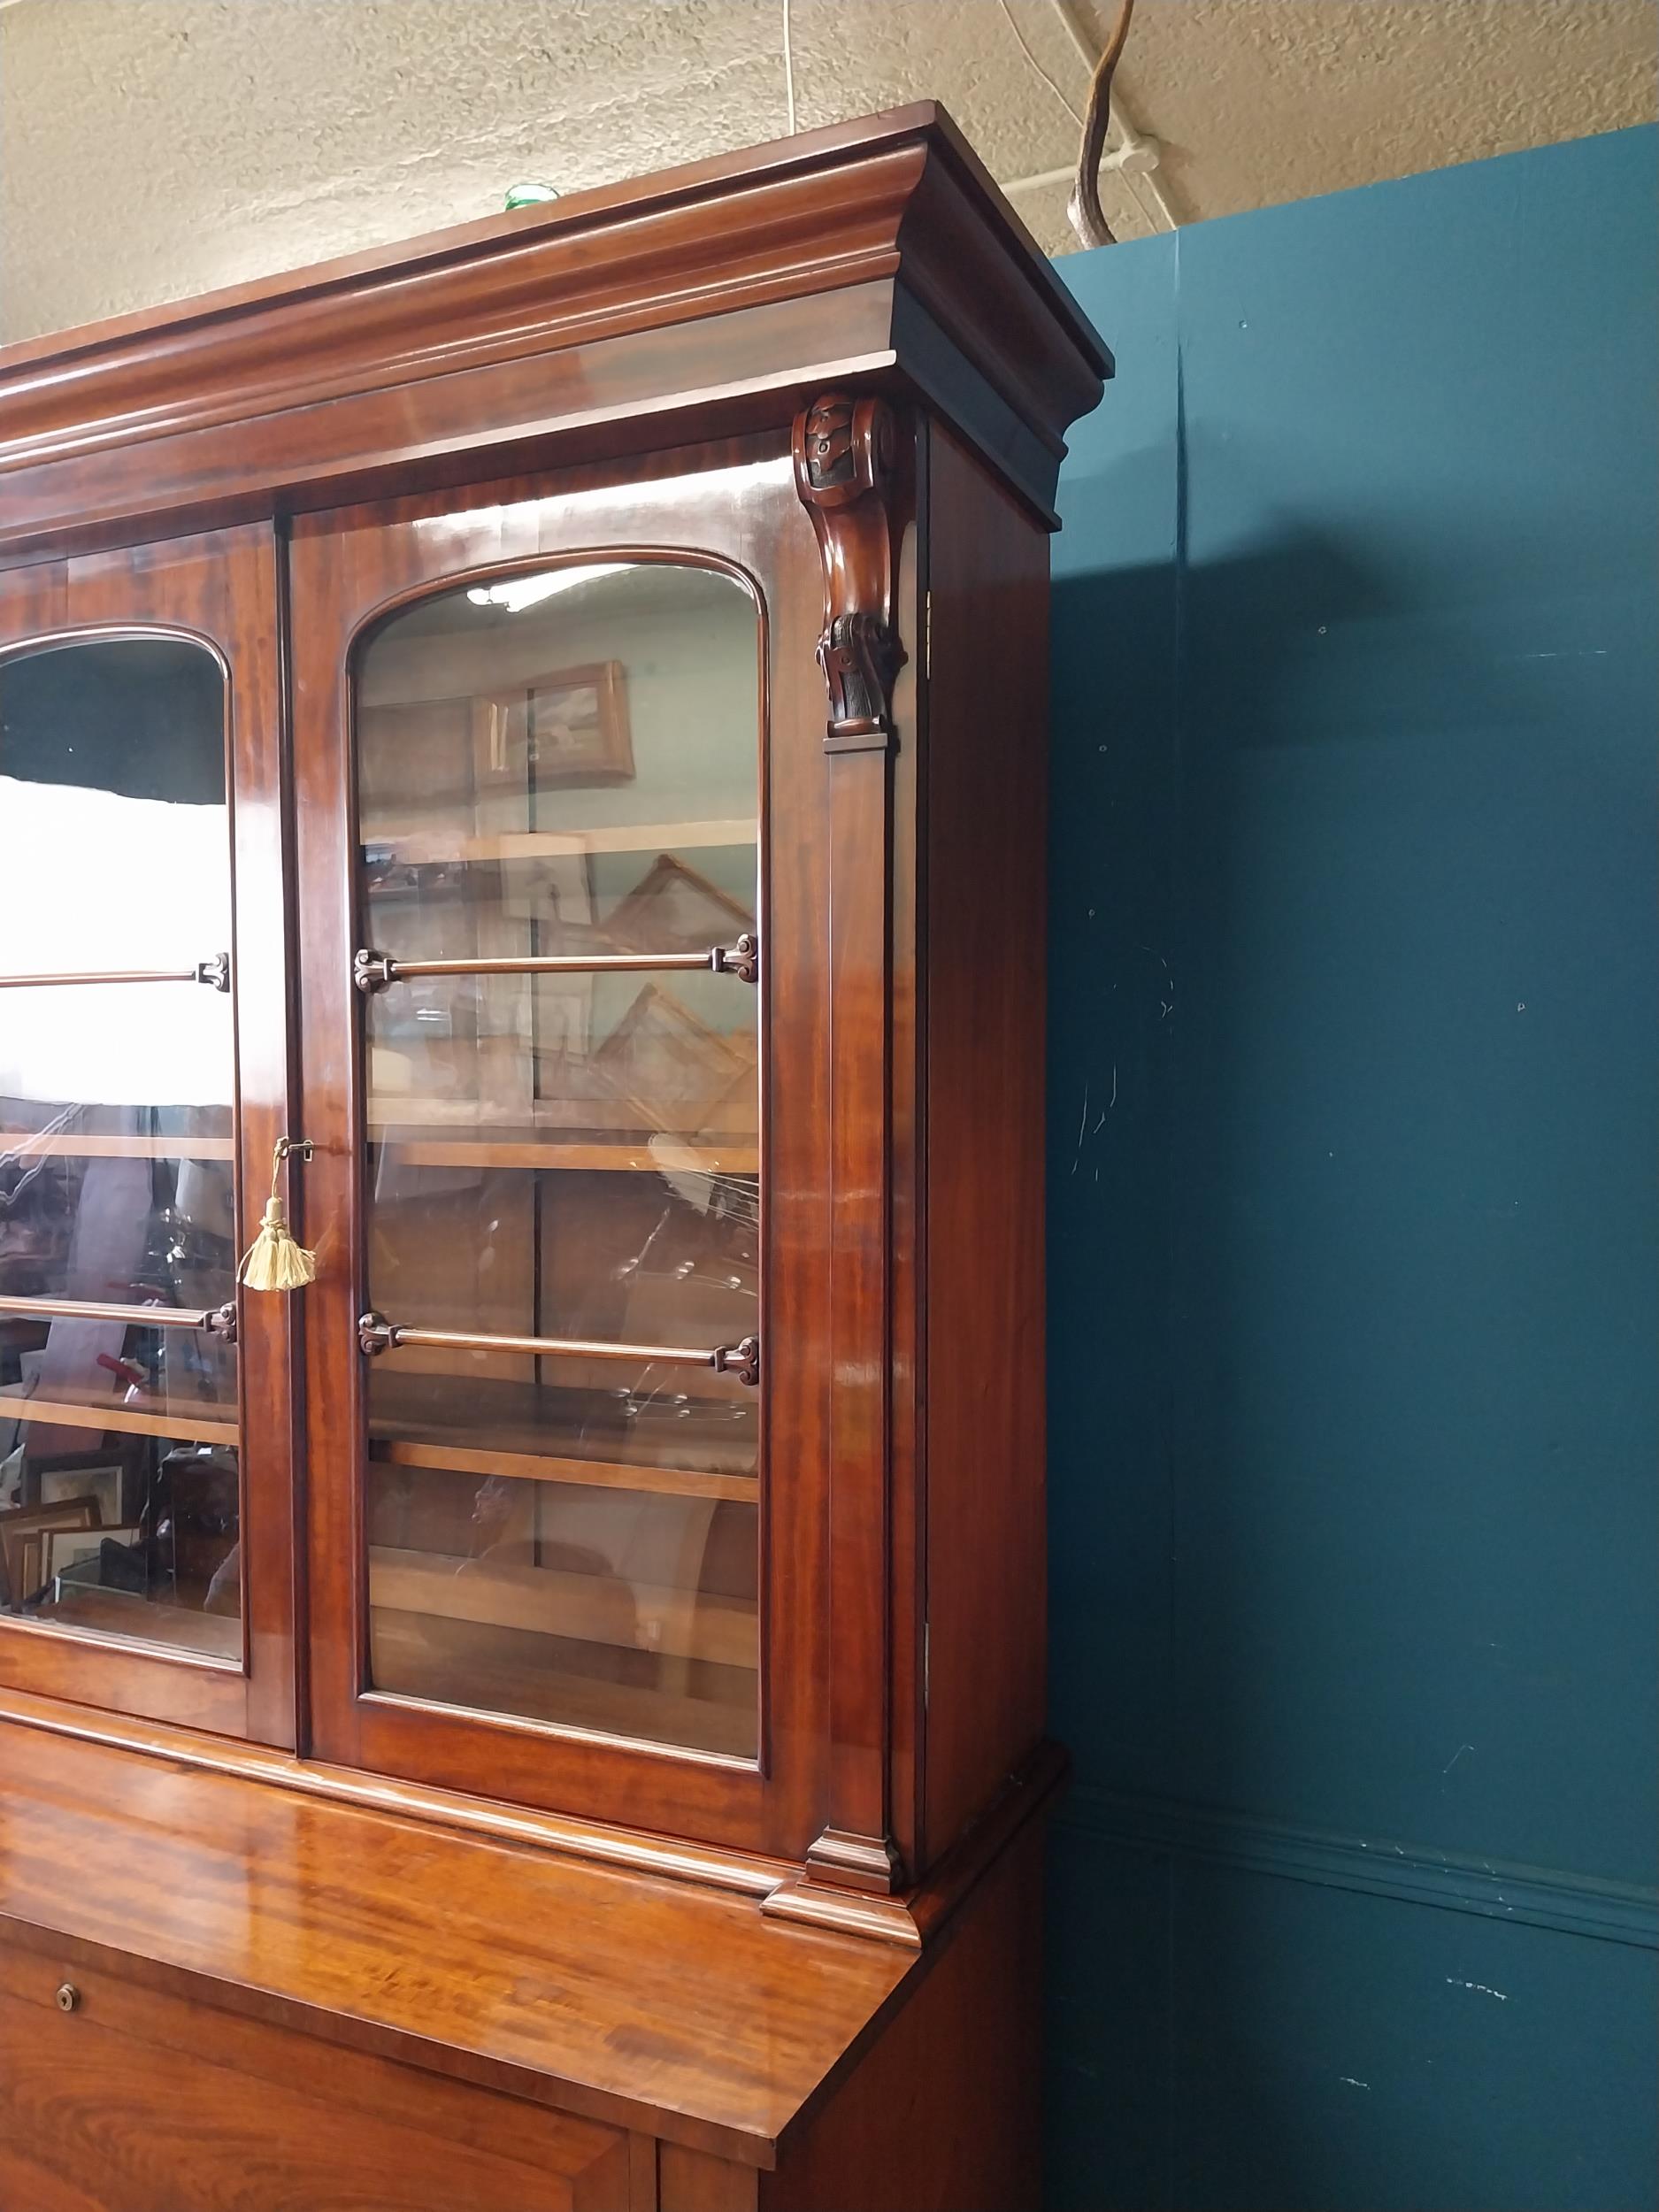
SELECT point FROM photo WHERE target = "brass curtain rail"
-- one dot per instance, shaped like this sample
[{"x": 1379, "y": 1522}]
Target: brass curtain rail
[
  {"x": 376, "y": 1335},
  {"x": 374, "y": 971},
  {"x": 217, "y": 1320},
  {"x": 214, "y": 973}
]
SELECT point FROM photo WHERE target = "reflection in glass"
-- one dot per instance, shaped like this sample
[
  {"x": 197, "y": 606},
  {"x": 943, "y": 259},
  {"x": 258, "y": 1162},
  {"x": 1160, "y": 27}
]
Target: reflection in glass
[
  {"x": 565, "y": 765},
  {"x": 119, "y": 1504}
]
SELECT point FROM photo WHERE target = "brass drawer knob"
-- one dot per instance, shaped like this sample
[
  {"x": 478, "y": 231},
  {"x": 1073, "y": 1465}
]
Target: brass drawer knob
[{"x": 68, "y": 1996}]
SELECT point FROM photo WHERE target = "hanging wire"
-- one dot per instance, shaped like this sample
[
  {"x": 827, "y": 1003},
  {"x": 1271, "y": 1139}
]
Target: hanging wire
[
  {"x": 1025, "y": 48},
  {"x": 1139, "y": 183},
  {"x": 1083, "y": 209},
  {"x": 788, "y": 67},
  {"x": 1131, "y": 183}
]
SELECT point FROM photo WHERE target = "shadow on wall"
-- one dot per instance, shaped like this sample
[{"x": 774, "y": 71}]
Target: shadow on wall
[{"x": 1351, "y": 1299}]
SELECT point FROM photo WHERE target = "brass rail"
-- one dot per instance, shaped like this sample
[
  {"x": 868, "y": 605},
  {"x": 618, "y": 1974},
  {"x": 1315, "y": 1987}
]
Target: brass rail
[
  {"x": 214, "y": 973},
  {"x": 377, "y": 1334},
  {"x": 217, "y": 1320},
  {"x": 374, "y": 971}
]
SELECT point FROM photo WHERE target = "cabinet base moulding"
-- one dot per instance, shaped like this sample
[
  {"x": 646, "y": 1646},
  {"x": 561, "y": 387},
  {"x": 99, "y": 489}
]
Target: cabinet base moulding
[{"x": 869, "y": 1863}]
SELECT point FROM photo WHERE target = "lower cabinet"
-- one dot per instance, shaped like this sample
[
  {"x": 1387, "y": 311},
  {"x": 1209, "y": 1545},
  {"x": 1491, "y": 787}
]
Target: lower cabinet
[
  {"x": 117, "y": 2097},
  {"x": 220, "y": 1993},
  {"x": 122, "y": 2099}
]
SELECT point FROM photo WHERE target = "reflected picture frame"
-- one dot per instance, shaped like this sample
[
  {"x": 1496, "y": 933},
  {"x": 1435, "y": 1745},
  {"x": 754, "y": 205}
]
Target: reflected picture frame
[
  {"x": 102, "y": 1482},
  {"x": 21, "y": 1526},
  {"x": 62, "y": 1548},
  {"x": 675, "y": 909},
  {"x": 668, "y": 1067},
  {"x": 565, "y": 728}
]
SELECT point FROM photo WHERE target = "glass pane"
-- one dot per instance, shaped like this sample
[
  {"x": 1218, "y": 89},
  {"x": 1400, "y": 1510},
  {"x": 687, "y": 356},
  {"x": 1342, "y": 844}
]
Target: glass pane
[
  {"x": 118, "y": 1473},
  {"x": 565, "y": 765}
]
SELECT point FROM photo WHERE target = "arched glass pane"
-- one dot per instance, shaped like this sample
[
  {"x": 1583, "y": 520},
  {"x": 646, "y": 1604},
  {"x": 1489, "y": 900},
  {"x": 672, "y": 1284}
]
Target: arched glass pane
[
  {"x": 119, "y": 1477},
  {"x": 565, "y": 765}
]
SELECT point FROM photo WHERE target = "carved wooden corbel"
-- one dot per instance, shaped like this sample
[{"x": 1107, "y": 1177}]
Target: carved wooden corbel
[{"x": 845, "y": 452}]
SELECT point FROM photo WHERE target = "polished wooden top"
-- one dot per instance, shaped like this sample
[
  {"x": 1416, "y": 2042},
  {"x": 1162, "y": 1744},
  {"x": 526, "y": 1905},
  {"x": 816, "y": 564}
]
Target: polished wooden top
[
  {"x": 648, "y": 2002},
  {"x": 698, "y": 301}
]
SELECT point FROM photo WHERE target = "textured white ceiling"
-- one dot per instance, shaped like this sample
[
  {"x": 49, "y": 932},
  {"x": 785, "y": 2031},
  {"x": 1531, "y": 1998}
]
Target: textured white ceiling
[{"x": 150, "y": 148}]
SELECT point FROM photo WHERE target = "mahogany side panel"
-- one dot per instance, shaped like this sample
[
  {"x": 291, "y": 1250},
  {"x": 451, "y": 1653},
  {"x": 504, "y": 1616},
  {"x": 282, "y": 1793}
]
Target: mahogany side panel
[
  {"x": 943, "y": 2111},
  {"x": 855, "y": 1847},
  {"x": 221, "y": 588},
  {"x": 852, "y": 480},
  {"x": 985, "y": 815},
  {"x": 906, "y": 1288}
]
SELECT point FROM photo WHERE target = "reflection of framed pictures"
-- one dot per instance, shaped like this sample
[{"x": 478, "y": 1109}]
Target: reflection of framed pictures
[
  {"x": 564, "y": 1030},
  {"x": 60, "y": 1486},
  {"x": 673, "y": 909},
  {"x": 569, "y": 726},
  {"x": 62, "y": 1548},
  {"x": 21, "y": 1527},
  {"x": 557, "y": 894},
  {"x": 670, "y": 1067}
]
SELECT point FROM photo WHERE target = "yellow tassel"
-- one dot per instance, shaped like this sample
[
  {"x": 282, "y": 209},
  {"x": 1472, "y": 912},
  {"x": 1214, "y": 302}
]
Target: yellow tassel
[{"x": 273, "y": 1261}]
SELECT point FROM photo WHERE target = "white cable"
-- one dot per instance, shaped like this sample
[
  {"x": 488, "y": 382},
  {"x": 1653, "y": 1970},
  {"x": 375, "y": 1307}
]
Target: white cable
[
  {"x": 788, "y": 69},
  {"x": 1009, "y": 14}
]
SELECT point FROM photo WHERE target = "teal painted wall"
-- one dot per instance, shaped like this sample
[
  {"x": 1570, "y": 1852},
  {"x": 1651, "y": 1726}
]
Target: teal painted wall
[{"x": 1353, "y": 1126}]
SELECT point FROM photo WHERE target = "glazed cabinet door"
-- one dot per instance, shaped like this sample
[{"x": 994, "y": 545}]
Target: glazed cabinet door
[
  {"x": 146, "y": 1435},
  {"x": 564, "y": 994}
]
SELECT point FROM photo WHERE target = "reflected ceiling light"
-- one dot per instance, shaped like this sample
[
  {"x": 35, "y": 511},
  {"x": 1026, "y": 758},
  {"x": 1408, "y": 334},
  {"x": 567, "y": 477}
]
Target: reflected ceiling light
[{"x": 519, "y": 592}]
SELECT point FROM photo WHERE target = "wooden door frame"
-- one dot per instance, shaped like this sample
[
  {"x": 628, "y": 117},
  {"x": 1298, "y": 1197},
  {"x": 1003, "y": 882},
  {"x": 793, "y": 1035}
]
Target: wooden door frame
[
  {"x": 734, "y": 505},
  {"x": 219, "y": 589}
]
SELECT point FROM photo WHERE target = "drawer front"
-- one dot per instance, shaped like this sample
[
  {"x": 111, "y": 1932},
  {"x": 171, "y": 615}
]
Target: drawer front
[{"x": 115, "y": 2098}]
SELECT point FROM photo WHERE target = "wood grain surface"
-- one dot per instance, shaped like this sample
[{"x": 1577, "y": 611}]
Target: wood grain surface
[{"x": 632, "y": 2001}]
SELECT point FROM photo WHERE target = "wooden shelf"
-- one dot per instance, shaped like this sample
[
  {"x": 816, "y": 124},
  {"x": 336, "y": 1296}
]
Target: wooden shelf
[
  {"x": 536, "y": 1152},
  {"x": 600, "y": 1474},
  {"x": 571, "y": 1121},
  {"x": 199, "y": 1422},
  {"x": 551, "y": 1601},
  {"x": 419, "y": 848},
  {"x": 15, "y": 1141},
  {"x": 478, "y": 1428},
  {"x": 507, "y": 1671},
  {"x": 143, "y": 1620}
]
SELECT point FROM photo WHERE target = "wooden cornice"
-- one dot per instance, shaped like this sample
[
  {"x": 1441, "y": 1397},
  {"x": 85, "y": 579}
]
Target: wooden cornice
[{"x": 707, "y": 298}]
